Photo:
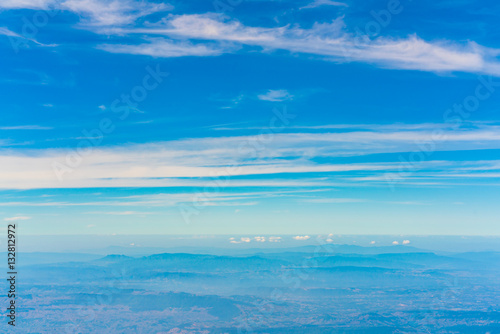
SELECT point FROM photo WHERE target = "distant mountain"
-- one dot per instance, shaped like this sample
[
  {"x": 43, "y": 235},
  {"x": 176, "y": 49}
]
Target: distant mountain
[
  {"x": 27, "y": 259},
  {"x": 113, "y": 258},
  {"x": 326, "y": 248},
  {"x": 480, "y": 256},
  {"x": 200, "y": 262}
]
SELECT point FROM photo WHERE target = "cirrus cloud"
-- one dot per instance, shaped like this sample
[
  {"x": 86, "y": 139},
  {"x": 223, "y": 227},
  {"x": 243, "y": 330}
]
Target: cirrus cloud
[
  {"x": 332, "y": 41},
  {"x": 17, "y": 218}
]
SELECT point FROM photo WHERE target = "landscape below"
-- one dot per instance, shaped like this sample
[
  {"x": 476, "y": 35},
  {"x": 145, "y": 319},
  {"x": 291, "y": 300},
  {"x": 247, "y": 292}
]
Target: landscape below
[{"x": 308, "y": 289}]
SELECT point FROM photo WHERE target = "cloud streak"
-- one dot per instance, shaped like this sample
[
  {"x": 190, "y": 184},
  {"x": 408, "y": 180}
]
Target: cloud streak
[
  {"x": 26, "y": 4},
  {"x": 17, "y": 218},
  {"x": 183, "y": 162},
  {"x": 320, "y": 3},
  {"x": 210, "y": 34},
  {"x": 26, "y": 127},
  {"x": 112, "y": 12},
  {"x": 329, "y": 40},
  {"x": 9, "y": 33},
  {"x": 166, "y": 48},
  {"x": 279, "y": 95}
]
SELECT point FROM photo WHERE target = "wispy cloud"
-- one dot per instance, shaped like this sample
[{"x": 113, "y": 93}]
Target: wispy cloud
[
  {"x": 158, "y": 47},
  {"x": 26, "y": 4},
  {"x": 95, "y": 13},
  {"x": 319, "y": 3},
  {"x": 112, "y": 12},
  {"x": 6, "y": 32},
  {"x": 17, "y": 218},
  {"x": 120, "y": 213},
  {"x": 26, "y": 127},
  {"x": 276, "y": 95},
  {"x": 363, "y": 127},
  {"x": 210, "y": 34},
  {"x": 329, "y": 40},
  {"x": 173, "y": 199},
  {"x": 183, "y": 162}
]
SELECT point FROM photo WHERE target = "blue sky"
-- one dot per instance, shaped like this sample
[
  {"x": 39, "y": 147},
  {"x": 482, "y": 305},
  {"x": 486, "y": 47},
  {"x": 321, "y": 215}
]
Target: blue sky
[{"x": 250, "y": 117}]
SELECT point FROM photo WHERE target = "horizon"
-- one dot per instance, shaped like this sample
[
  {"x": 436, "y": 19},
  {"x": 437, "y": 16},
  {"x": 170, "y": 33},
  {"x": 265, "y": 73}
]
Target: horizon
[{"x": 236, "y": 242}]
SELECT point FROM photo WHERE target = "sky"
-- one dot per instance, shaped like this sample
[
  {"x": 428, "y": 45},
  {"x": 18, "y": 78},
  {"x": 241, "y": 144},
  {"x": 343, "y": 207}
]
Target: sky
[{"x": 250, "y": 117}]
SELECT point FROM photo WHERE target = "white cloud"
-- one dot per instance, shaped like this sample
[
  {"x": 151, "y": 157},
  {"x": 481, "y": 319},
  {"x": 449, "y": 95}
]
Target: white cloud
[
  {"x": 276, "y": 95},
  {"x": 13, "y": 219},
  {"x": 395, "y": 243},
  {"x": 406, "y": 242},
  {"x": 165, "y": 200},
  {"x": 333, "y": 41},
  {"x": 26, "y": 127},
  {"x": 183, "y": 162},
  {"x": 166, "y": 49},
  {"x": 26, "y": 4},
  {"x": 112, "y": 12},
  {"x": 95, "y": 13},
  {"x": 260, "y": 239},
  {"x": 211, "y": 34},
  {"x": 372, "y": 127},
  {"x": 372, "y": 242},
  {"x": 241, "y": 240},
  {"x": 6, "y": 32},
  {"x": 319, "y": 3},
  {"x": 301, "y": 237},
  {"x": 274, "y": 239}
]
